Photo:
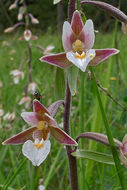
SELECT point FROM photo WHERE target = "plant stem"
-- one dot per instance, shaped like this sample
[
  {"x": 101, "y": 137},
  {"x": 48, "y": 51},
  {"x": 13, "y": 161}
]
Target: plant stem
[
  {"x": 29, "y": 61},
  {"x": 72, "y": 160},
  {"x": 110, "y": 137}
]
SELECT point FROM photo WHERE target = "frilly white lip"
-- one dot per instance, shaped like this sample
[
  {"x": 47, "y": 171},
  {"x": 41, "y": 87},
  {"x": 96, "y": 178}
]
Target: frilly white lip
[
  {"x": 82, "y": 61},
  {"x": 35, "y": 155}
]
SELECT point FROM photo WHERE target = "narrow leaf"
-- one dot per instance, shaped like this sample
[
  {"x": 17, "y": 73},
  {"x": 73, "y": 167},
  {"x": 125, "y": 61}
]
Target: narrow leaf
[
  {"x": 72, "y": 79},
  {"x": 95, "y": 156},
  {"x": 59, "y": 84}
]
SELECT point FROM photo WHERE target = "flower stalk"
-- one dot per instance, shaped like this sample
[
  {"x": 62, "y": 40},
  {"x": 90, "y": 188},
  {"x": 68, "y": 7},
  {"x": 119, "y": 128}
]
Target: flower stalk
[
  {"x": 29, "y": 61},
  {"x": 72, "y": 160},
  {"x": 73, "y": 177}
]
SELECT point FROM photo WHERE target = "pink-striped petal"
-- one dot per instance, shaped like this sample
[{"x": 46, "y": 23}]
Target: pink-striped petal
[
  {"x": 76, "y": 23},
  {"x": 21, "y": 137},
  {"x": 87, "y": 35},
  {"x": 39, "y": 108},
  {"x": 62, "y": 137},
  {"x": 51, "y": 122},
  {"x": 68, "y": 36},
  {"x": 58, "y": 60},
  {"x": 53, "y": 108},
  {"x": 102, "y": 54},
  {"x": 32, "y": 118},
  {"x": 57, "y": 133}
]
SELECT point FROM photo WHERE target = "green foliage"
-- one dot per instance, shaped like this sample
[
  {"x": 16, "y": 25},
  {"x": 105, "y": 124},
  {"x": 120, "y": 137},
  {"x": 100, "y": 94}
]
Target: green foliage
[
  {"x": 72, "y": 74},
  {"x": 59, "y": 84},
  {"x": 95, "y": 156},
  {"x": 55, "y": 175}
]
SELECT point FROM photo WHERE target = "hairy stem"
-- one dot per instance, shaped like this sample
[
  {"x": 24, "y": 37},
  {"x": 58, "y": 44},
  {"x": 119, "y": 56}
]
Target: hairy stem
[
  {"x": 72, "y": 160},
  {"x": 29, "y": 61}
]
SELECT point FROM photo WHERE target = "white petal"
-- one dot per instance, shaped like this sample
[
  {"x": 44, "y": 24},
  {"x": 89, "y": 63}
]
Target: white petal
[
  {"x": 81, "y": 63},
  {"x": 67, "y": 32},
  {"x": 87, "y": 34},
  {"x": 35, "y": 155}
]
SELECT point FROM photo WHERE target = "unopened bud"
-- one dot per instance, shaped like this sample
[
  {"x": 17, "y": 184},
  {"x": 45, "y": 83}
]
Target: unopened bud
[
  {"x": 123, "y": 152},
  {"x": 13, "y": 6},
  {"x": 124, "y": 28},
  {"x": 20, "y": 16},
  {"x": 9, "y": 30},
  {"x": 34, "y": 21}
]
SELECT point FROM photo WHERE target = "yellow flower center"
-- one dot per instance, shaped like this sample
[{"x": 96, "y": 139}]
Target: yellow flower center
[
  {"x": 38, "y": 144},
  {"x": 43, "y": 127},
  {"x": 78, "y": 46},
  {"x": 77, "y": 55}
]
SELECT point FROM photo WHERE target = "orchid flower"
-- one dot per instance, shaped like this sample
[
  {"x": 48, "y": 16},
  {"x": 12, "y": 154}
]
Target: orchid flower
[
  {"x": 17, "y": 74},
  {"x": 78, "y": 40},
  {"x": 28, "y": 36},
  {"x": 36, "y": 145}
]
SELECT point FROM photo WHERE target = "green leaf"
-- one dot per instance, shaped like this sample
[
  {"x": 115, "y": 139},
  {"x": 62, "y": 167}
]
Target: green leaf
[
  {"x": 72, "y": 79},
  {"x": 96, "y": 156},
  {"x": 59, "y": 84},
  {"x": 56, "y": 1}
]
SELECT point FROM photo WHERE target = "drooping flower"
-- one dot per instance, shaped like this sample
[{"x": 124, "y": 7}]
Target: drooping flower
[
  {"x": 32, "y": 87},
  {"x": 35, "y": 140},
  {"x": 25, "y": 100},
  {"x": 28, "y": 36},
  {"x": 78, "y": 40},
  {"x": 48, "y": 49},
  {"x": 17, "y": 74},
  {"x": 9, "y": 116}
]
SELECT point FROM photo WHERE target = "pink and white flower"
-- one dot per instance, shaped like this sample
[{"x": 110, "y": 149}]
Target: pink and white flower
[
  {"x": 25, "y": 100},
  {"x": 17, "y": 74},
  {"x": 32, "y": 87},
  {"x": 27, "y": 35},
  {"x": 78, "y": 40},
  {"x": 35, "y": 140}
]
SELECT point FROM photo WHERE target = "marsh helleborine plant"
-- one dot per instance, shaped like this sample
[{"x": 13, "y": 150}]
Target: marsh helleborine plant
[
  {"x": 35, "y": 140},
  {"x": 78, "y": 40}
]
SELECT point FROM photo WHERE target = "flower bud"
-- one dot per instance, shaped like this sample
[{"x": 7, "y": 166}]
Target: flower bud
[
  {"x": 123, "y": 152},
  {"x": 124, "y": 28},
  {"x": 13, "y": 6},
  {"x": 34, "y": 21},
  {"x": 9, "y": 30}
]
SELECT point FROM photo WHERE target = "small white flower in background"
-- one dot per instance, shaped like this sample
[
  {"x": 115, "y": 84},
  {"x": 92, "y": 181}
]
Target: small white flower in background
[
  {"x": 25, "y": 100},
  {"x": 48, "y": 49},
  {"x": 9, "y": 116},
  {"x": 41, "y": 187},
  {"x": 12, "y": 52},
  {"x": 13, "y": 6},
  {"x": 32, "y": 87},
  {"x": 1, "y": 84},
  {"x": 27, "y": 35},
  {"x": 1, "y": 112},
  {"x": 5, "y": 43},
  {"x": 34, "y": 21},
  {"x": 17, "y": 74}
]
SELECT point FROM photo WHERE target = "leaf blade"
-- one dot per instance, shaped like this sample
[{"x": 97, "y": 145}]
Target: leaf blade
[{"x": 95, "y": 156}]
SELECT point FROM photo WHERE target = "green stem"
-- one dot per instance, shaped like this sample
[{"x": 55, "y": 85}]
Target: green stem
[{"x": 110, "y": 137}]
